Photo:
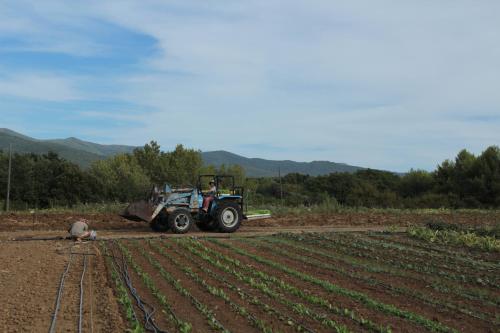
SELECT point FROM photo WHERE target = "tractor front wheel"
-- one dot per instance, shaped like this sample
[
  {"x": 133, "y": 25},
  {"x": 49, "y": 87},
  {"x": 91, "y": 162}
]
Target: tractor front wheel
[
  {"x": 180, "y": 220},
  {"x": 229, "y": 217}
]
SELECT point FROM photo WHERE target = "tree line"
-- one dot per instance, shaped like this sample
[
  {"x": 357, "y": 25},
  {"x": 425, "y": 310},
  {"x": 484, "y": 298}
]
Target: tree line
[
  {"x": 468, "y": 181},
  {"x": 44, "y": 181}
]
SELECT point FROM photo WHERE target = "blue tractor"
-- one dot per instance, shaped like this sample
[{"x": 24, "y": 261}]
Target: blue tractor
[{"x": 177, "y": 209}]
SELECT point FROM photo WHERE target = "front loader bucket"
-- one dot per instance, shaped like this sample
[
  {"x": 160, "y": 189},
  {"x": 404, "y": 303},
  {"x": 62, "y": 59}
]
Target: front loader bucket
[{"x": 139, "y": 210}]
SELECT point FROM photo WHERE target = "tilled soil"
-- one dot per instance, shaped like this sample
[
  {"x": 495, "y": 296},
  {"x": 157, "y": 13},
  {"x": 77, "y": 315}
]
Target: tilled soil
[
  {"x": 107, "y": 221},
  {"x": 30, "y": 276},
  {"x": 238, "y": 295},
  {"x": 412, "y": 283},
  {"x": 177, "y": 259},
  {"x": 63, "y": 221},
  {"x": 188, "y": 309},
  {"x": 336, "y": 299},
  {"x": 450, "y": 318},
  {"x": 146, "y": 296}
]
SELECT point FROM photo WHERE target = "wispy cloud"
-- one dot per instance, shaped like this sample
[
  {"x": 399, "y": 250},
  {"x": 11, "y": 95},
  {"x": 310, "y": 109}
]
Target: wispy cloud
[
  {"x": 39, "y": 86},
  {"x": 388, "y": 84}
]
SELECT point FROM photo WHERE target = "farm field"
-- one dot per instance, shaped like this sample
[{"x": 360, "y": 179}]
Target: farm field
[
  {"x": 323, "y": 281},
  {"x": 314, "y": 283}
]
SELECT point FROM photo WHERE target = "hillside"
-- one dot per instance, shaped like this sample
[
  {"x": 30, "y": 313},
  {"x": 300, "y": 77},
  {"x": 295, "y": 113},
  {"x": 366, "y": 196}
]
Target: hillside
[
  {"x": 84, "y": 153},
  {"x": 80, "y": 152},
  {"x": 258, "y": 167}
]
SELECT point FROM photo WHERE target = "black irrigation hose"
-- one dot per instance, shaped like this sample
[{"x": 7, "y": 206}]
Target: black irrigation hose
[
  {"x": 172, "y": 313},
  {"x": 230, "y": 286},
  {"x": 59, "y": 294},
  {"x": 119, "y": 271},
  {"x": 81, "y": 294},
  {"x": 148, "y": 310},
  {"x": 23, "y": 239}
]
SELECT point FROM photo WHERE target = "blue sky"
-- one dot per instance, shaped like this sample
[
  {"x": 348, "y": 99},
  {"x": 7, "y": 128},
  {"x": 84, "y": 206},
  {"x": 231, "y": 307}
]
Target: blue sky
[{"x": 384, "y": 84}]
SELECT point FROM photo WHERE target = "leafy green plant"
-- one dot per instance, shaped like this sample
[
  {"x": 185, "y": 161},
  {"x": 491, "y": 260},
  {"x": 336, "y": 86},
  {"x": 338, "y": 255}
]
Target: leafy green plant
[
  {"x": 305, "y": 255},
  {"x": 237, "y": 289},
  {"x": 456, "y": 238},
  {"x": 265, "y": 288},
  {"x": 218, "y": 292},
  {"x": 204, "y": 309},
  {"x": 363, "y": 298},
  {"x": 123, "y": 297},
  {"x": 149, "y": 283},
  {"x": 366, "y": 253}
]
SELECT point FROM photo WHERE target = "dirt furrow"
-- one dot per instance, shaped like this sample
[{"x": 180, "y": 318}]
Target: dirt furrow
[
  {"x": 407, "y": 287},
  {"x": 183, "y": 307},
  {"x": 277, "y": 318},
  {"x": 336, "y": 300},
  {"x": 342, "y": 301},
  {"x": 160, "y": 317}
]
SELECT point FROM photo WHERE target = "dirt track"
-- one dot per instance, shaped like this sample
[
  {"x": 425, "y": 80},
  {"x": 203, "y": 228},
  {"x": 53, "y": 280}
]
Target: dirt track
[
  {"x": 114, "y": 226},
  {"x": 30, "y": 276},
  {"x": 102, "y": 221}
]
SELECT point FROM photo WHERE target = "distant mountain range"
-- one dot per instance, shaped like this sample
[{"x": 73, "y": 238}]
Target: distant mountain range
[
  {"x": 84, "y": 153},
  {"x": 78, "y": 151},
  {"x": 258, "y": 167}
]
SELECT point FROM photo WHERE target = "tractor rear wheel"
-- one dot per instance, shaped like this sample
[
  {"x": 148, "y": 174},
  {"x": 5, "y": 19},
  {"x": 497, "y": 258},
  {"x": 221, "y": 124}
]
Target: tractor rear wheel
[
  {"x": 229, "y": 217},
  {"x": 180, "y": 220}
]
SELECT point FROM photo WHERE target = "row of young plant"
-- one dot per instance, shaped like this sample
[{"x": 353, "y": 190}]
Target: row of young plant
[
  {"x": 439, "y": 249},
  {"x": 202, "y": 308},
  {"x": 213, "y": 290},
  {"x": 456, "y": 238},
  {"x": 304, "y": 255},
  {"x": 385, "y": 243},
  {"x": 297, "y": 307},
  {"x": 182, "y": 326},
  {"x": 330, "y": 287},
  {"x": 350, "y": 249},
  {"x": 261, "y": 282},
  {"x": 385, "y": 308},
  {"x": 122, "y": 293},
  {"x": 374, "y": 250},
  {"x": 374, "y": 266},
  {"x": 238, "y": 289}
]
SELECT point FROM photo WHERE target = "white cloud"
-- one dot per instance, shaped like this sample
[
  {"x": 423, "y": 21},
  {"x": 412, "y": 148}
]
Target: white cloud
[
  {"x": 386, "y": 84},
  {"x": 40, "y": 86}
]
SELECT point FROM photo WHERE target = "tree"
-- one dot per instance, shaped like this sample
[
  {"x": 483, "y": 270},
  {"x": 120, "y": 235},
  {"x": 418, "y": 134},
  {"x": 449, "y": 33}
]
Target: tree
[
  {"x": 150, "y": 158},
  {"x": 182, "y": 165},
  {"x": 487, "y": 170},
  {"x": 178, "y": 167},
  {"x": 121, "y": 178},
  {"x": 416, "y": 183}
]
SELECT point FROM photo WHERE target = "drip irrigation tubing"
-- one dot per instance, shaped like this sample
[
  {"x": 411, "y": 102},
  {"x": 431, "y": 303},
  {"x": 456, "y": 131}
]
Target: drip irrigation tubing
[
  {"x": 81, "y": 294},
  {"x": 147, "y": 310},
  {"x": 59, "y": 294},
  {"x": 118, "y": 269},
  {"x": 91, "y": 297}
]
